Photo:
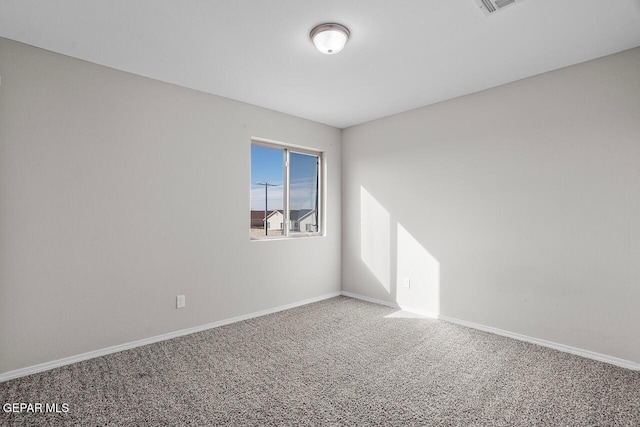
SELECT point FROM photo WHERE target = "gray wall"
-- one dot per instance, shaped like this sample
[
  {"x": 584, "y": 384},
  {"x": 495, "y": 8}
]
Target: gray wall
[
  {"x": 516, "y": 208},
  {"x": 112, "y": 189}
]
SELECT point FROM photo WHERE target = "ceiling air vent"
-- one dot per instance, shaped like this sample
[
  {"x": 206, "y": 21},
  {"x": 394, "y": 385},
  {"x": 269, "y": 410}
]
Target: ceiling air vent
[{"x": 489, "y": 7}]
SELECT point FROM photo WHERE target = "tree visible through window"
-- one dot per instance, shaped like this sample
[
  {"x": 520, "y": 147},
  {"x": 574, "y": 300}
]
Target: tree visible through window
[{"x": 285, "y": 191}]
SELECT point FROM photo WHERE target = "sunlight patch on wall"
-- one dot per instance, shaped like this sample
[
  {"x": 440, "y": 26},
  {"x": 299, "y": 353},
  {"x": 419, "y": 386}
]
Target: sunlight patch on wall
[
  {"x": 418, "y": 275},
  {"x": 375, "y": 238}
]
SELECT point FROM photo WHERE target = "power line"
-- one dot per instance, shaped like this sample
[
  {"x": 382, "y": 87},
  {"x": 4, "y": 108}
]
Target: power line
[{"x": 266, "y": 186}]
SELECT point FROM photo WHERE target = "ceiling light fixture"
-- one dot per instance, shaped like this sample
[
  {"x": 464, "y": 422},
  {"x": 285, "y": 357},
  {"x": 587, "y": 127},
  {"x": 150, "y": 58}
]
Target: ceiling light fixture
[{"x": 330, "y": 38}]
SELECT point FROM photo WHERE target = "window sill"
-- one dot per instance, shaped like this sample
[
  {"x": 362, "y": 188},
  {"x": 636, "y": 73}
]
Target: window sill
[{"x": 289, "y": 237}]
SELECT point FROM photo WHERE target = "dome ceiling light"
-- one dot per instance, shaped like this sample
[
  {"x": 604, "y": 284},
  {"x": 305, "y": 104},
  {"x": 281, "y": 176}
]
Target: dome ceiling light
[{"x": 330, "y": 38}]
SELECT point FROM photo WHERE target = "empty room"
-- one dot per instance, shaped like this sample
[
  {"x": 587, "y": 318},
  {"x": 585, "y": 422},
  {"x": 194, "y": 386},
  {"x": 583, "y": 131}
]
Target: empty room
[{"x": 250, "y": 213}]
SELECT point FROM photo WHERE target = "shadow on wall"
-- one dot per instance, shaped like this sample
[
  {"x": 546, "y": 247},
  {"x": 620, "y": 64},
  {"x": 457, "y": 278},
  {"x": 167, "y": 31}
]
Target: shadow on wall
[{"x": 400, "y": 263}]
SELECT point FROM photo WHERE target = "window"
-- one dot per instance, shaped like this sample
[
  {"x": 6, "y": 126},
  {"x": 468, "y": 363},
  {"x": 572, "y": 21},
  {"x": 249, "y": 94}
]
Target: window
[{"x": 286, "y": 191}]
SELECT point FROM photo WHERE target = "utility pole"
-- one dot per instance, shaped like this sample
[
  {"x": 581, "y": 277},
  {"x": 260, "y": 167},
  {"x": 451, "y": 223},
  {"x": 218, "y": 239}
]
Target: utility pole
[{"x": 266, "y": 185}]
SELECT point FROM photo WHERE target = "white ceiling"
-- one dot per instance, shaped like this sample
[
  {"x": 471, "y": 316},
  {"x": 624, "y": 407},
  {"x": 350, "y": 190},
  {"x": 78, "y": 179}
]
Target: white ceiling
[{"x": 402, "y": 54}]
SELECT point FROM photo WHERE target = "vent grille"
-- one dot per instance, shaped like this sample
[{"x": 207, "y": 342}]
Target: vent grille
[
  {"x": 503, "y": 3},
  {"x": 489, "y": 7}
]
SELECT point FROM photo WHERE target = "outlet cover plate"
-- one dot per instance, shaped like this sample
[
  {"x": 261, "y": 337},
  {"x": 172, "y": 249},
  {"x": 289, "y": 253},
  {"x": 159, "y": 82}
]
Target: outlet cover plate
[{"x": 180, "y": 301}]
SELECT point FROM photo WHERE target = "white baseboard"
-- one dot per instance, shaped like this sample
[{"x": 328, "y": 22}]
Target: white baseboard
[
  {"x": 117, "y": 348},
  {"x": 560, "y": 347},
  {"x": 392, "y": 305}
]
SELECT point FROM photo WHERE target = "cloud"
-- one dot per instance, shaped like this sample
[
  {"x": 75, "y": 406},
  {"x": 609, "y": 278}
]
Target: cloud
[
  {"x": 302, "y": 195},
  {"x": 274, "y": 198}
]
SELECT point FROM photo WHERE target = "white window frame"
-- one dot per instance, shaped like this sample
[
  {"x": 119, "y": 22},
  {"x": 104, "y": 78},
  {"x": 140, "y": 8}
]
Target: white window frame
[{"x": 288, "y": 148}]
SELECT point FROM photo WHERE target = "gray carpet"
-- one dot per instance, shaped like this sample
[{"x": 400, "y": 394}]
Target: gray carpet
[{"x": 337, "y": 362}]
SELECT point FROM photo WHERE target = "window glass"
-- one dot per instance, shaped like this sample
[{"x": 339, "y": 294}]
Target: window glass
[
  {"x": 285, "y": 191},
  {"x": 267, "y": 214},
  {"x": 303, "y": 192}
]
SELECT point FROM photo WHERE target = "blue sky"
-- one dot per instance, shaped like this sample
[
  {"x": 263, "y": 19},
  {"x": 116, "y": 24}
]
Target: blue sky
[
  {"x": 267, "y": 165},
  {"x": 303, "y": 177}
]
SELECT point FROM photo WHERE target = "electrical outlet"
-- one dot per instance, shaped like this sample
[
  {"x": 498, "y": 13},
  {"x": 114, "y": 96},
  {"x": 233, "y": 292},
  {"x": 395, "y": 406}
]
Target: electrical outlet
[
  {"x": 407, "y": 282},
  {"x": 180, "y": 301}
]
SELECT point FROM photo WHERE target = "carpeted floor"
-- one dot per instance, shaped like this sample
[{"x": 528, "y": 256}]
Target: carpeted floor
[{"x": 337, "y": 362}]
